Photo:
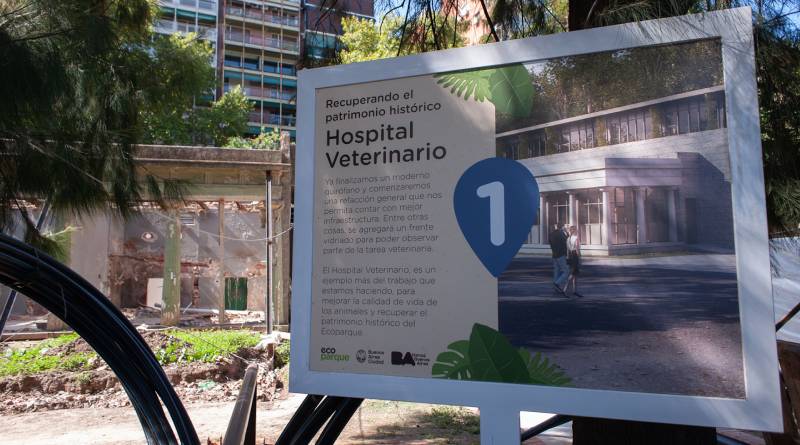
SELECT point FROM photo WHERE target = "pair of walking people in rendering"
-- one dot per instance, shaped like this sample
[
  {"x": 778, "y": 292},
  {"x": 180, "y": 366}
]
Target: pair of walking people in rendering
[{"x": 566, "y": 248}]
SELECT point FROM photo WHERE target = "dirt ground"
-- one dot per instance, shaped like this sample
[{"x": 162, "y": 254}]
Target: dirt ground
[
  {"x": 376, "y": 422},
  {"x": 98, "y": 387}
]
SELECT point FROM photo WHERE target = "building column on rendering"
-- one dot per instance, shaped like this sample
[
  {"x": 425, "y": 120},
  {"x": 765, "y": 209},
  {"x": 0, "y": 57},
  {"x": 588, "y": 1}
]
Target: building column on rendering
[
  {"x": 571, "y": 214},
  {"x": 641, "y": 224},
  {"x": 605, "y": 231},
  {"x": 672, "y": 214},
  {"x": 543, "y": 230}
]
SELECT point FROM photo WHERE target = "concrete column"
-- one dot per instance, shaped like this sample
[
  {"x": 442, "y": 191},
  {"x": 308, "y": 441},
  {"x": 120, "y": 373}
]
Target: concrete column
[
  {"x": 543, "y": 230},
  {"x": 673, "y": 218},
  {"x": 171, "y": 291},
  {"x": 222, "y": 318},
  {"x": 605, "y": 230},
  {"x": 572, "y": 214},
  {"x": 641, "y": 223}
]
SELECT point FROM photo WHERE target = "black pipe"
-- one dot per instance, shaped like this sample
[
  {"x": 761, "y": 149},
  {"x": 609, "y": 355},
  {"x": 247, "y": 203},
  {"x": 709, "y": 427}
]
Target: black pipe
[
  {"x": 339, "y": 420},
  {"x": 550, "y": 423},
  {"x": 305, "y": 409},
  {"x": 69, "y": 296},
  {"x": 144, "y": 400},
  {"x": 318, "y": 418},
  {"x": 241, "y": 427}
]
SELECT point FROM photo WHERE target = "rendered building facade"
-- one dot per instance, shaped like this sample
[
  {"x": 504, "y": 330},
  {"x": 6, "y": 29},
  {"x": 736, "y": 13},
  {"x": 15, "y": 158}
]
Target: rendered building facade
[{"x": 652, "y": 176}]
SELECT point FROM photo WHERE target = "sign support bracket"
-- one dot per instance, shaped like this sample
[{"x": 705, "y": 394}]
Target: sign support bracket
[{"x": 499, "y": 425}]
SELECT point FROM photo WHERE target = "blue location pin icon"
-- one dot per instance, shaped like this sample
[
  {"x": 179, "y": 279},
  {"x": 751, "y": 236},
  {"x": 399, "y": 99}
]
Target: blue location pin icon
[{"x": 496, "y": 201}]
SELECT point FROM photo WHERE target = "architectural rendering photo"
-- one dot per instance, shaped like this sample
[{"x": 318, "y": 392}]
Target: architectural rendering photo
[{"x": 628, "y": 277}]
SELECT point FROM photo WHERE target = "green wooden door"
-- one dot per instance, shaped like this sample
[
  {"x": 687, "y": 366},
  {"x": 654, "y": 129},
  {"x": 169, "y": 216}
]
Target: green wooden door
[{"x": 236, "y": 293}]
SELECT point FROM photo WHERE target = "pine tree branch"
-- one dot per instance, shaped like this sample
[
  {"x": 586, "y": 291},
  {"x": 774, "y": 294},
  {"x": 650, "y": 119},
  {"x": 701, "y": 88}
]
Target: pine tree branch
[{"x": 489, "y": 21}]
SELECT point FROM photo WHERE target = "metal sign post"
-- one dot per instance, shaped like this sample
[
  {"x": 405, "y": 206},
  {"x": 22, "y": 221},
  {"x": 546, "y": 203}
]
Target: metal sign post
[{"x": 268, "y": 310}]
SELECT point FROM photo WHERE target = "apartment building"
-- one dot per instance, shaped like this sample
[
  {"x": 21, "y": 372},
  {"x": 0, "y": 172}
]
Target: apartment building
[{"x": 258, "y": 45}]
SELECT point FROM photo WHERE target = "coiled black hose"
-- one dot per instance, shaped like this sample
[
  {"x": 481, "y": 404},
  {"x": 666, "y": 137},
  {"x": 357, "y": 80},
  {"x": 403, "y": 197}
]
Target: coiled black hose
[{"x": 70, "y": 297}]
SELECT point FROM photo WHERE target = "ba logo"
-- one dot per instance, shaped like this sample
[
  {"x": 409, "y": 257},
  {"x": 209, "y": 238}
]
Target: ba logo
[
  {"x": 328, "y": 350},
  {"x": 361, "y": 356},
  {"x": 398, "y": 358}
]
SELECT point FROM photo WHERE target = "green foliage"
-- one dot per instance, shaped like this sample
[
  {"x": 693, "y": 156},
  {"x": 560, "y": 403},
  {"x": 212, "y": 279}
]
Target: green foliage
[
  {"x": 266, "y": 140},
  {"x": 453, "y": 418},
  {"x": 493, "y": 359},
  {"x": 541, "y": 371},
  {"x": 509, "y": 88},
  {"x": 39, "y": 358},
  {"x": 78, "y": 77},
  {"x": 227, "y": 117},
  {"x": 453, "y": 363},
  {"x": 362, "y": 40},
  {"x": 83, "y": 378},
  {"x": 183, "y": 72},
  {"x": 61, "y": 244},
  {"x": 512, "y": 90},
  {"x": 205, "y": 346},
  {"x": 76, "y": 362},
  {"x": 282, "y": 354},
  {"x": 489, "y": 356},
  {"x": 468, "y": 84}
]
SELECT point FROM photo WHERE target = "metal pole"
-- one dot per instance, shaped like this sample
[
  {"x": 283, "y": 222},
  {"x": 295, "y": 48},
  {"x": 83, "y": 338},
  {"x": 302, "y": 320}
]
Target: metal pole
[
  {"x": 268, "y": 205},
  {"x": 222, "y": 318}
]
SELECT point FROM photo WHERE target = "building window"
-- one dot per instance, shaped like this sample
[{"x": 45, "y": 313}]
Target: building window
[
  {"x": 590, "y": 218},
  {"x": 234, "y": 61},
  {"x": 577, "y": 136},
  {"x": 656, "y": 215},
  {"x": 536, "y": 144},
  {"x": 558, "y": 213},
  {"x": 700, "y": 113},
  {"x": 506, "y": 147},
  {"x": 251, "y": 64},
  {"x": 623, "y": 216},
  {"x": 628, "y": 127}
]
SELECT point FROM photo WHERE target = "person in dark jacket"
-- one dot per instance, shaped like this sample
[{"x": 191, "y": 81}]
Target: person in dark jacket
[{"x": 558, "y": 246}]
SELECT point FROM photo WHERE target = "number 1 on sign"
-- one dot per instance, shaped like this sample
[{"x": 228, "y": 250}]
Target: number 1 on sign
[{"x": 497, "y": 210}]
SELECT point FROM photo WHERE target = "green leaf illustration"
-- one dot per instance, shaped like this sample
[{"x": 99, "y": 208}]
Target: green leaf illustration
[
  {"x": 541, "y": 371},
  {"x": 492, "y": 358},
  {"x": 512, "y": 90},
  {"x": 453, "y": 363},
  {"x": 467, "y": 83},
  {"x": 489, "y": 356}
]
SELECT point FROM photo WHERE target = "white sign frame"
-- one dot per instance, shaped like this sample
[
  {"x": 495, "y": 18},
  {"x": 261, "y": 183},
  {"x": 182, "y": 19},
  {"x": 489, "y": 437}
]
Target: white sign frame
[{"x": 500, "y": 403}]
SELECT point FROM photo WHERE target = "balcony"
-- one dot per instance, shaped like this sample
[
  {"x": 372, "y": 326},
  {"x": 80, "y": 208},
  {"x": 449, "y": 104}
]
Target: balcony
[
  {"x": 259, "y": 40},
  {"x": 264, "y": 93},
  {"x": 170, "y": 27},
  {"x": 268, "y": 66},
  {"x": 272, "y": 119},
  {"x": 207, "y": 5},
  {"x": 262, "y": 16}
]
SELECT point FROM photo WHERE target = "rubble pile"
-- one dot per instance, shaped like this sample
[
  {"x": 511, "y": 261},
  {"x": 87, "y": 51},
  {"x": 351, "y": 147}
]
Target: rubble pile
[{"x": 95, "y": 385}]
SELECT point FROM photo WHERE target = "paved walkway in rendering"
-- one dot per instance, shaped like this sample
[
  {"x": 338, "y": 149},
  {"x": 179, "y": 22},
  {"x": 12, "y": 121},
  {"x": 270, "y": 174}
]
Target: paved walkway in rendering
[{"x": 666, "y": 325}]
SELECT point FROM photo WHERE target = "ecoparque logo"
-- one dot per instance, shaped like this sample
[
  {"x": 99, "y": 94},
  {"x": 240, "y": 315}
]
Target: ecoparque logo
[{"x": 329, "y": 354}]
